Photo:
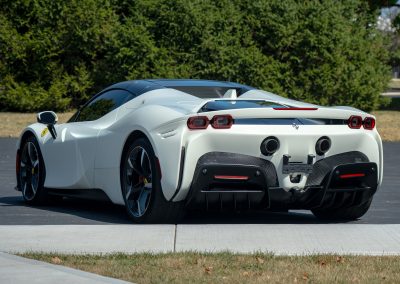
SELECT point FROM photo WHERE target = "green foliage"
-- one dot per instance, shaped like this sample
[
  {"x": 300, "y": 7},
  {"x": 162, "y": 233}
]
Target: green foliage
[
  {"x": 21, "y": 96},
  {"x": 56, "y": 54},
  {"x": 377, "y": 4}
]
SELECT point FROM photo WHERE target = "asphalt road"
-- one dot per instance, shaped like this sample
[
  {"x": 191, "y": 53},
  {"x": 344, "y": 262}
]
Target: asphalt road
[{"x": 385, "y": 208}]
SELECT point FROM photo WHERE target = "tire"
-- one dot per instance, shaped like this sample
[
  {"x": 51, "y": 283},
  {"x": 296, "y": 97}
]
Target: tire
[
  {"x": 346, "y": 214},
  {"x": 141, "y": 186},
  {"x": 32, "y": 173}
]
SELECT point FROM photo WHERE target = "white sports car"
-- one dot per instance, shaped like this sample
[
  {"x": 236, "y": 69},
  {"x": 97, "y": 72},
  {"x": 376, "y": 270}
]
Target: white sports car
[{"x": 160, "y": 146}]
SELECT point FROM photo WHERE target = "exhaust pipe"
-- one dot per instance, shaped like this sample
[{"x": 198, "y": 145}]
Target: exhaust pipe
[
  {"x": 269, "y": 146},
  {"x": 323, "y": 145}
]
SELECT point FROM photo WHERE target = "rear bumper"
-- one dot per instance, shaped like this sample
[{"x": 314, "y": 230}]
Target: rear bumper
[
  {"x": 226, "y": 180},
  {"x": 247, "y": 139}
]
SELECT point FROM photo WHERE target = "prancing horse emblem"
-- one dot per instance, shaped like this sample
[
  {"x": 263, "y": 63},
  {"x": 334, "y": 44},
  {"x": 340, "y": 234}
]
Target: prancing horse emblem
[{"x": 295, "y": 125}]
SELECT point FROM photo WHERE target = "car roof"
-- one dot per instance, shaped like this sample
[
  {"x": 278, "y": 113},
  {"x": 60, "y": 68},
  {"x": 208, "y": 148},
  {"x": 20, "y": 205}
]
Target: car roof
[{"x": 139, "y": 87}]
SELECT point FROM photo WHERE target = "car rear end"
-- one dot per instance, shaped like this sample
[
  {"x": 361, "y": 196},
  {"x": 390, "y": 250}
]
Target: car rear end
[{"x": 278, "y": 156}]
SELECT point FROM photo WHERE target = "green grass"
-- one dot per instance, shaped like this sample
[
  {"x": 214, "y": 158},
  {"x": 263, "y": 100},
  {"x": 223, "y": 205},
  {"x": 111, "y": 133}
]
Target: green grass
[{"x": 233, "y": 268}]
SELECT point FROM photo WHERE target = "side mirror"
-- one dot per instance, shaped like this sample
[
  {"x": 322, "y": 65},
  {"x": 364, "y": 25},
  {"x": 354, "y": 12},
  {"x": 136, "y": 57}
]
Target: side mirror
[{"x": 48, "y": 118}]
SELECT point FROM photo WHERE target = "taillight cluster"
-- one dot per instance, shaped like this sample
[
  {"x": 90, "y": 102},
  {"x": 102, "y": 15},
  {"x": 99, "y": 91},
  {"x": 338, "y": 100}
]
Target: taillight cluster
[
  {"x": 198, "y": 122},
  {"x": 218, "y": 122},
  {"x": 356, "y": 121}
]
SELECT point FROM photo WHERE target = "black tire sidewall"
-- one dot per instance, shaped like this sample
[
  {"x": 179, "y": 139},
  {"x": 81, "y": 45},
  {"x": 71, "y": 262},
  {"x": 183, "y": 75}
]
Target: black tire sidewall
[{"x": 41, "y": 193}]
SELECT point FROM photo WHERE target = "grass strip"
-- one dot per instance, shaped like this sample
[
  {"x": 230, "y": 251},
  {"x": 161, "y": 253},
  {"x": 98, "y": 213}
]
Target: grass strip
[{"x": 192, "y": 267}]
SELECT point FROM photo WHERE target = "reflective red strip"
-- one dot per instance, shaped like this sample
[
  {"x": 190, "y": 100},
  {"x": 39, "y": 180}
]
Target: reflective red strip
[
  {"x": 159, "y": 167},
  {"x": 17, "y": 163},
  {"x": 231, "y": 177},
  {"x": 351, "y": 175},
  {"x": 295, "y": 108}
]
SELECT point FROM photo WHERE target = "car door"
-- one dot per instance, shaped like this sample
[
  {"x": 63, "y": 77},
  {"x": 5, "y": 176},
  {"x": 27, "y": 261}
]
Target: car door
[{"x": 70, "y": 158}]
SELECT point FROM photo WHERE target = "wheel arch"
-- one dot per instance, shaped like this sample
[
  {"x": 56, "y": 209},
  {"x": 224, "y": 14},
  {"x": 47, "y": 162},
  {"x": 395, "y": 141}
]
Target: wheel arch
[
  {"x": 168, "y": 153},
  {"x": 31, "y": 130},
  {"x": 134, "y": 135},
  {"x": 28, "y": 133}
]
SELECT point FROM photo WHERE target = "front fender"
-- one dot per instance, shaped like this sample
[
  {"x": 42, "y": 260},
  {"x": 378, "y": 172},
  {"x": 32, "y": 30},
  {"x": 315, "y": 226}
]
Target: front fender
[{"x": 39, "y": 130}]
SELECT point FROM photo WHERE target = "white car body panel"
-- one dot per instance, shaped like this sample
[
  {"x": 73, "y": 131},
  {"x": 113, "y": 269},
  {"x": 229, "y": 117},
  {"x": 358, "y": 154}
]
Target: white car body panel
[{"x": 87, "y": 155}]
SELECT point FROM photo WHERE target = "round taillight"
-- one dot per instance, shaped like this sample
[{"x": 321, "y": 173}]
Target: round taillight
[
  {"x": 198, "y": 122},
  {"x": 369, "y": 123},
  {"x": 355, "y": 122}
]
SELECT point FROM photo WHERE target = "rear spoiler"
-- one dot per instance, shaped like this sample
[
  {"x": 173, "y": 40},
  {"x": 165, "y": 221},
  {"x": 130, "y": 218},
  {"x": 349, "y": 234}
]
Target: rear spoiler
[{"x": 281, "y": 112}]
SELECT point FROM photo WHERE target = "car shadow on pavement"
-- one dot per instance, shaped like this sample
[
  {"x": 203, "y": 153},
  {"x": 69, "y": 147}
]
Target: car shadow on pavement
[
  {"x": 252, "y": 217},
  {"x": 80, "y": 211},
  {"x": 60, "y": 212}
]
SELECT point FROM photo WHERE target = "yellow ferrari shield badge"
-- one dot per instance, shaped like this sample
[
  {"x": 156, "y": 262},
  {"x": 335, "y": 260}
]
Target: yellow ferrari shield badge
[{"x": 44, "y": 132}]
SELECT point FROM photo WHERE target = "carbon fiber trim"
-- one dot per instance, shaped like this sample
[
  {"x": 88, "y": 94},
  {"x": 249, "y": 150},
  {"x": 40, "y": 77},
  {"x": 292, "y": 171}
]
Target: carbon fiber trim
[
  {"x": 232, "y": 159},
  {"x": 322, "y": 168},
  {"x": 325, "y": 187},
  {"x": 210, "y": 192}
]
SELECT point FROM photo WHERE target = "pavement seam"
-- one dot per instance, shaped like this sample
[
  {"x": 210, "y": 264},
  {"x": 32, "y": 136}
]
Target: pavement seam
[{"x": 175, "y": 231}]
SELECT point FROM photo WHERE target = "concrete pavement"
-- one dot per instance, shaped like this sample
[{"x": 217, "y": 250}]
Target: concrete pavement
[
  {"x": 296, "y": 239},
  {"x": 87, "y": 239},
  {"x": 280, "y": 239}
]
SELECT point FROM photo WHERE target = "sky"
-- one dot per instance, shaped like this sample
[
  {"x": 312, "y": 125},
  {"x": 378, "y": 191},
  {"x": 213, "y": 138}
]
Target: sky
[{"x": 384, "y": 21}]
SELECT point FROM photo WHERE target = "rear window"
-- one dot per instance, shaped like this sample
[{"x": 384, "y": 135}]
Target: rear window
[
  {"x": 237, "y": 104},
  {"x": 205, "y": 92}
]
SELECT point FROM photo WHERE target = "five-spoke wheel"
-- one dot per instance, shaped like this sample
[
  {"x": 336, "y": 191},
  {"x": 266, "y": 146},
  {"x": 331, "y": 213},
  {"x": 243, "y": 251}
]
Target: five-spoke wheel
[
  {"x": 31, "y": 172},
  {"x": 141, "y": 186},
  {"x": 138, "y": 187}
]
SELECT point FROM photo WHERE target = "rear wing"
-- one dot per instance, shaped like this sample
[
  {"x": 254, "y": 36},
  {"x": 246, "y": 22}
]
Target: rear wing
[{"x": 270, "y": 109}]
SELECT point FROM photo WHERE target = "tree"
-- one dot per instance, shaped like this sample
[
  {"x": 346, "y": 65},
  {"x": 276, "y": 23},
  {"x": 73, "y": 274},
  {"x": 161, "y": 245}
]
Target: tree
[{"x": 57, "y": 54}]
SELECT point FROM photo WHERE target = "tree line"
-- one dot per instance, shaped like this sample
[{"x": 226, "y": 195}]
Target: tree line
[{"x": 57, "y": 54}]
